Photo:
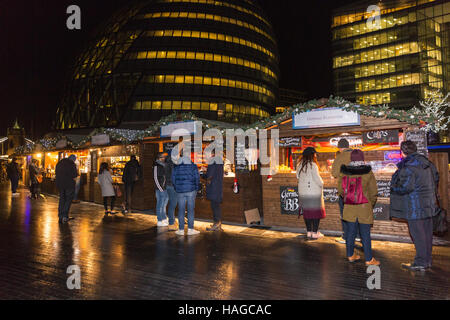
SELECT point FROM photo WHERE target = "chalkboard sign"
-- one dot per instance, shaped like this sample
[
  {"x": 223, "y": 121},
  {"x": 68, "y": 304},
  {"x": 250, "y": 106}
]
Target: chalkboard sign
[
  {"x": 241, "y": 163},
  {"x": 290, "y": 142},
  {"x": 420, "y": 139},
  {"x": 168, "y": 146},
  {"x": 330, "y": 195},
  {"x": 381, "y": 211},
  {"x": 289, "y": 200},
  {"x": 384, "y": 188},
  {"x": 382, "y": 136}
]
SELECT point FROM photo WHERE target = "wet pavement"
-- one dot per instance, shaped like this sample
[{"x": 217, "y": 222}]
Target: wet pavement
[{"x": 129, "y": 258}]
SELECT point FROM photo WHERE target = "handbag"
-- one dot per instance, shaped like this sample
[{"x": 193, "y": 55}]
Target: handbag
[
  {"x": 440, "y": 224},
  {"x": 39, "y": 178},
  {"x": 117, "y": 191}
]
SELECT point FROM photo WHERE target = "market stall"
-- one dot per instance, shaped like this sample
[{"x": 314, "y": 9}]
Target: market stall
[{"x": 322, "y": 128}]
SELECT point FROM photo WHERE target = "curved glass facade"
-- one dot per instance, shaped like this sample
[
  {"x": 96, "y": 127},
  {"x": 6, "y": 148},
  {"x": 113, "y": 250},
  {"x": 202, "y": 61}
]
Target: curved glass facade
[{"x": 216, "y": 59}]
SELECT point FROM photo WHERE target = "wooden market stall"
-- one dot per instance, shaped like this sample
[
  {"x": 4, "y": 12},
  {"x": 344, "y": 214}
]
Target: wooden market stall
[{"x": 378, "y": 137}]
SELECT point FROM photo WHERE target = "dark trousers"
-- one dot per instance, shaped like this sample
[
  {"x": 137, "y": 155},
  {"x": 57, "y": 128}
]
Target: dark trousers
[
  {"x": 312, "y": 225},
  {"x": 34, "y": 189},
  {"x": 14, "y": 184},
  {"x": 421, "y": 231},
  {"x": 129, "y": 187},
  {"x": 344, "y": 223},
  {"x": 65, "y": 200},
  {"x": 105, "y": 202},
  {"x": 364, "y": 230},
  {"x": 217, "y": 211}
]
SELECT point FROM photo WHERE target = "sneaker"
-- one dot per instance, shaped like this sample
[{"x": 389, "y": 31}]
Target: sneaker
[
  {"x": 413, "y": 267},
  {"x": 358, "y": 239},
  {"x": 173, "y": 227},
  {"x": 353, "y": 258},
  {"x": 340, "y": 240},
  {"x": 179, "y": 232},
  {"x": 318, "y": 235},
  {"x": 162, "y": 223},
  {"x": 373, "y": 262},
  {"x": 192, "y": 232},
  {"x": 215, "y": 227}
]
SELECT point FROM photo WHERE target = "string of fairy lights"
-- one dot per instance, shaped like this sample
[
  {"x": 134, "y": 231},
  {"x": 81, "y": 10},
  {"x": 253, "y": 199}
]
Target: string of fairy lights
[{"x": 414, "y": 116}]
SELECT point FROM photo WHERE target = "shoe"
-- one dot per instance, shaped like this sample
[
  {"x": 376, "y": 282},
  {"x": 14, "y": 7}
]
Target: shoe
[
  {"x": 179, "y": 232},
  {"x": 162, "y": 223},
  {"x": 106, "y": 213},
  {"x": 215, "y": 227},
  {"x": 192, "y": 232},
  {"x": 413, "y": 267},
  {"x": 353, "y": 258},
  {"x": 173, "y": 227},
  {"x": 166, "y": 220},
  {"x": 340, "y": 240},
  {"x": 373, "y": 262},
  {"x": 358, "y": 239},
  {"x": 318, "y": 235}
]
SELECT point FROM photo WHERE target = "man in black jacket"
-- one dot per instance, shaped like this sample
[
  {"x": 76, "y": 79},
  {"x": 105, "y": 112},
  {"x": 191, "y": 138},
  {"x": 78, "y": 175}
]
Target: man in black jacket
[
  {"x": 413, "y": 198},
  {"x": 12, "y": 170},
  {"x": 66, "y": 173},
  {"x": 131, "y": 173}
]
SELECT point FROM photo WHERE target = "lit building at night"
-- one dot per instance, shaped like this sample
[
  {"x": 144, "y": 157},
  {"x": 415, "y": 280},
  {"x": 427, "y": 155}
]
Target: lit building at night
[
  {"x": 398, "y": 61},
  {"x": 216, "y": 59}
]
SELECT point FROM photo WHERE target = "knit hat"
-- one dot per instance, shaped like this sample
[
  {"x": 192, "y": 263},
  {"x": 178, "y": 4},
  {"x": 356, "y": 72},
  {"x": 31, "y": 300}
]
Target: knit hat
[
  {"x": 357, "y": 155},
  {"x": 343, "y": 144},
  {"x": 308, "y": 151},
  {"x": 73, "y": 157}
]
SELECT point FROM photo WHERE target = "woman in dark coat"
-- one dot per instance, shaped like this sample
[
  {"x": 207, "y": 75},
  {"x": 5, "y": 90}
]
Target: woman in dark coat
[
  {"x": 34, "y": 172},
  {"x": 214, "y": 191}
]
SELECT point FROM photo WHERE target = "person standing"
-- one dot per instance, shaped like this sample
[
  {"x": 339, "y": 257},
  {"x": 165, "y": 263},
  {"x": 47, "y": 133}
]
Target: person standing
[
  {"x": 358, "y": 188},
  {"x": 186, "y": 180},
  {"x": 105, "y": 181},
  {"x": 214, "y": 190},
  {"x": 342, "y": 158},
  {"x": 162, "y": 197},
  {"x": 34, "y": 172},
  {"x": 131, "y": 173},
  {"x": 413, "y": 198},
  {"x": 172, "y": 194},
  {"x": 310, "y": 192},
  {"x": 66, "y": 173},
  {"x": 13, "y": 173}
]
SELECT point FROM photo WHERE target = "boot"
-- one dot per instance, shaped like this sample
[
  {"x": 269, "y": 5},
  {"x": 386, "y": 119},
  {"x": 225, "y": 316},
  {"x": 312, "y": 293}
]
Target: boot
[{"x": 217, "y": 226}]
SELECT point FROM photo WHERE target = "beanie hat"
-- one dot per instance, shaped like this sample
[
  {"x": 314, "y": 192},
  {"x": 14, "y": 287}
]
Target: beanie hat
[
  {"x": 357, "y": 155},
  {"x": 343, "y": 143},
  {"x": 73, "y": 157}
]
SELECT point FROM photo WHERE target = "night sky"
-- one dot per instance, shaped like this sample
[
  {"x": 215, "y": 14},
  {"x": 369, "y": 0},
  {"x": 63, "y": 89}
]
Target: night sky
[{"x": 38, "y": 49}]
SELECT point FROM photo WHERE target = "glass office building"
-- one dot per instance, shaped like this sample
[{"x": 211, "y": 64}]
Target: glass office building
[
  {"x": 397, "y": 61},
  {"x": 216, "y": 59}
]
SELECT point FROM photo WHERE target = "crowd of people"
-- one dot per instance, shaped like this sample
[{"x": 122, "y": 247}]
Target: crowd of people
[{"x": 413, "y": 194}]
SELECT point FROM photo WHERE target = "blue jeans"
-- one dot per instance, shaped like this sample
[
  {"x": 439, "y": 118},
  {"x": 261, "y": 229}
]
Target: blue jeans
[
  {"x": 173, "y": 200},
  {"x": 161, "y": 203},
  {"x": 364, "y": 230},
  {"x": 188, "y": 197},
  {"x": 344, "y": 223}
]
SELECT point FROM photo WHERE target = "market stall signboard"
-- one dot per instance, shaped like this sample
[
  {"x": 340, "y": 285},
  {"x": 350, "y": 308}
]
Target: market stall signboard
[
  {"x": 179, "y": 128},
  {"x": 100, "y": 140},
  {"x": 61, "y": 144},
  {"x": 381, "y": 211},
  {"x": 289, "y": 200},
  {"x": 287, "y": 142},
  {"x": 419, "y": 137},
  {"x": 324, "y": 118},
  {"x": 381, "y": 136},
  {"x": 330, "y": 195},
  {"x": 384, "y": 188}
]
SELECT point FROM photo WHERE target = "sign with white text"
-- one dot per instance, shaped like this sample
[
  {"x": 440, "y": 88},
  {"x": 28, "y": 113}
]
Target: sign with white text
[
  {"x": 326, "y": 117},
  {"x": 178, "y": 128}
]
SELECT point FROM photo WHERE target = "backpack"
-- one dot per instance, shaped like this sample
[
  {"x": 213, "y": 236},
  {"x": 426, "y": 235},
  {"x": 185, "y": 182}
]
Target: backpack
[{"x": 353, "y": 191}]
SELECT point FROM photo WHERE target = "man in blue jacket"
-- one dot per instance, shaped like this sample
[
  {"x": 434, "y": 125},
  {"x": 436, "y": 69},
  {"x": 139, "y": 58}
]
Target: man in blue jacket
[
  {"x": 413, "y": 198},
  {"x": 186, "y": 181}
]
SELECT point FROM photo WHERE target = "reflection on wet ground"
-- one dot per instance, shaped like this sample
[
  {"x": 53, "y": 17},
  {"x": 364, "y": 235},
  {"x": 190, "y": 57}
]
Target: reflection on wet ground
[{"x": 130, "y": 258}]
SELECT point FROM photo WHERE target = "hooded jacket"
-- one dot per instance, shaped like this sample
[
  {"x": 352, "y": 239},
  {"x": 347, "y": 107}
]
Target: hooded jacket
[
  {"x": 132, "y": 172},
  {"x": 413, "y": 188},
  {"x": 362, "y": 212}
]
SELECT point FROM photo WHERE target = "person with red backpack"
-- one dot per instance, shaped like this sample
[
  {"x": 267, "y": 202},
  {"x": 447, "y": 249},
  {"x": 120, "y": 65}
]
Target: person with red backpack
[{"x": 358, "y": 187}]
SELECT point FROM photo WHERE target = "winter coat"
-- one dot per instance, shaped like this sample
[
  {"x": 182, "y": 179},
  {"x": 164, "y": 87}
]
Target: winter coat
[
  {"x": 132, "y": 172},
  {"x": 159, "y": 175},
  {"x": 185, "y": 178},
  {"x": 310, "y": 192},
  {"x": 66, "y": 172},
  {"x": 413, "y": 188},
  {"x": 12, "y": 170},
  {"x": 34, "y": 171},
  {"x": 168, "y": 171},
  {"x": 214, "y": 186},
  {"x": 105, "y": 181},
  {"x": 341, "y": 158},
  {"x": 362, "y": 212}
]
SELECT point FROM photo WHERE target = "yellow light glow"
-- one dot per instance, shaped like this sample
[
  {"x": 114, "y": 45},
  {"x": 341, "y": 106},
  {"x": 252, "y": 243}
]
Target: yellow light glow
[{"x": 39, "y": 155}]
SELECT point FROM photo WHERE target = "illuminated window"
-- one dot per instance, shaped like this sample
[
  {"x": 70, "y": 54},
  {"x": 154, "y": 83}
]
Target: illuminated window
[
  {"x": 146, "y": 105},
  {"x": 167, "y": 105},
  {"x": 176, "y": 105}
]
